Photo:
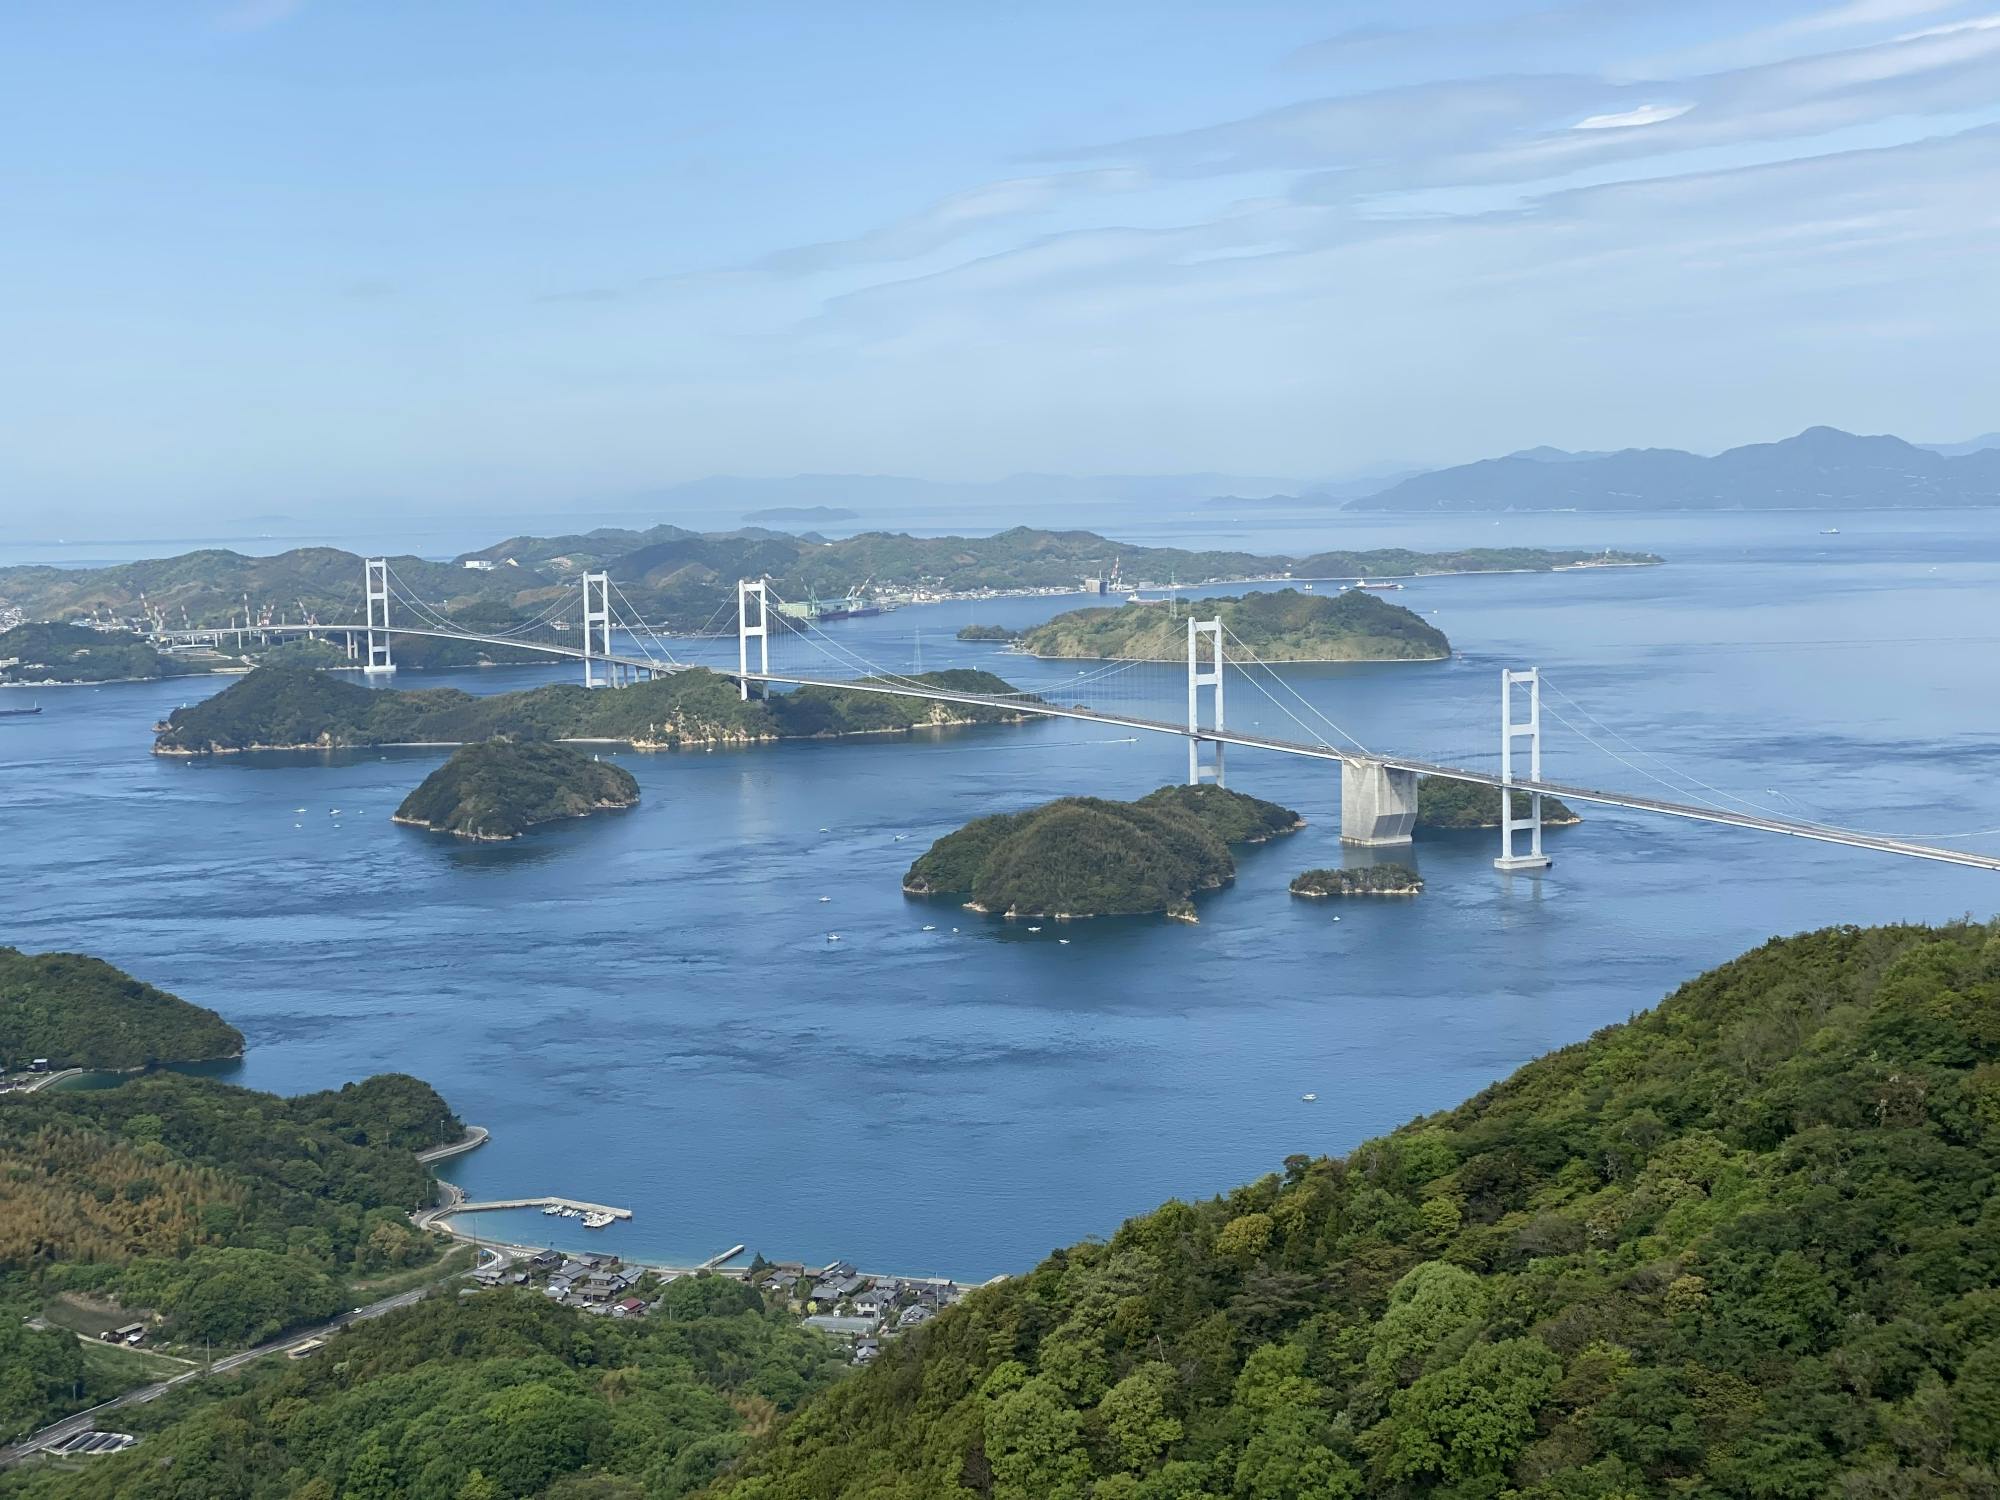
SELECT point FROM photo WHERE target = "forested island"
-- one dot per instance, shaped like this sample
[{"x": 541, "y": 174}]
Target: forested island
[
  {"x": 52, "y": 654},
  {"x": 677, "y": 579},
  {"x": 1369, "y": 880},
  {"x": 499, "y": 789},
  {"x": 1091, "y": 857},
  {"x": 1277, "y": 625},
  {"x": 80, "y": 1012},
  {"x": 1443, "y": 804},
  {"x": 988, "y": 633},
  {"x": 281, "y": 708}
]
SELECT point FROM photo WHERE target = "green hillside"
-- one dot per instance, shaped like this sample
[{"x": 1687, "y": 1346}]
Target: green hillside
[
  {"x": 1367, "y": 880},
  {"x": 499, "y": 789},
  {"x": 70, "y": 653},
  {"x": 80, "y": 1012},
  {"x": 1089, "y": 857},
  {"x": 1446, "y": 804},
  {"x": 293, "y": 708},
  {"x": 1276, "y": 624},
  {"x": 1745, "y": 1245}
]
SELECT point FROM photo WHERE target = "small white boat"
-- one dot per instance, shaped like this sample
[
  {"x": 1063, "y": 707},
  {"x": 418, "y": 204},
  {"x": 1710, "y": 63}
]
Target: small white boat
[
  {"x": 298, "y": 809},
  {"x": 1830, "y": 531},
  {"x": 900, "y": 837},
  {"x": 552, "y": 1210},
  {"x": 1309, "y": 1098},
  {"x": 1034, "y": 929},
  {"x": 824, "y": 899},
  {"x": 932, "y": 927},
  {"x": 1063, "y": 941},
  {"x": 824, "y": 830},
  {"x": 833, "y": 937},
  {"x": 333, "y": 812}
]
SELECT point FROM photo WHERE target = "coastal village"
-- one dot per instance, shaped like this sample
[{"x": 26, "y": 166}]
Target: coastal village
[{"x": 861, "y": 1310}]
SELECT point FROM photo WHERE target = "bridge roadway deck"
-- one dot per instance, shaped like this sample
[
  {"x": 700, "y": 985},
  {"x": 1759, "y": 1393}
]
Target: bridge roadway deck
[{"x": 1043, "y": 708}]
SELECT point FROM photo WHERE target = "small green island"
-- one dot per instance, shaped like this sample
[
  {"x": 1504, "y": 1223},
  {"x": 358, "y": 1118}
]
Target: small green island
[
  {"x": 297, "y": 708},
  {"x": 48, "y": 654},
  {"x": 1001, "y": 633},
  {"x": 1371, "y": 880},
  {"x": 1092, "y": 857},
  {"x": 1276, "y": 624},
  {"x": 80, "y": 1012},
  {"x": 499, "y": 789},
  {"x": 1444, "y": 804}
]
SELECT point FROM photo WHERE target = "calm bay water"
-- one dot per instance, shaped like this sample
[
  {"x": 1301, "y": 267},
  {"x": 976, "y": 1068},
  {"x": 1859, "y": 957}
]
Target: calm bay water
[{"x": 647, "y": 1010}]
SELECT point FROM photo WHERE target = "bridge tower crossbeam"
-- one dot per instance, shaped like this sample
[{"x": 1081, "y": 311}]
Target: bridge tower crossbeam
[
  {"x": 375, "y": 584},
  {"x": 1512, "y": 729},
  {"x": 1197, "y": 679},
  {"x": 746, "y": 588},
  {"x": 597, "y": 629}
]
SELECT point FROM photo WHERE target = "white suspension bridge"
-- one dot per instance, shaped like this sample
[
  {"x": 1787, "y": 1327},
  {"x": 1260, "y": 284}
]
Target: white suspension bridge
[{"x": 1378, "y": 789}]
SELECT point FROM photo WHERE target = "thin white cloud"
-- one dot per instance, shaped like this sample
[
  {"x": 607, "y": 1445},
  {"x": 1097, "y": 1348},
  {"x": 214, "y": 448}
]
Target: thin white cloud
[{"x": 1645, "y": 114}]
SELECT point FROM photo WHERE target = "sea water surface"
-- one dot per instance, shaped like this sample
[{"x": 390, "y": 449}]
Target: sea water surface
[{"x": 648, "y": 1009}]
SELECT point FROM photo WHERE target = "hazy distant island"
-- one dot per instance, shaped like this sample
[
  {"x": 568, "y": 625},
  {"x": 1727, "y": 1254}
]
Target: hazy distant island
[
  {"x": 293, "y": 708},
  {"x": 678, "y": 579},
  {"x": 1822, "y": 468},
  {"x": 499, "y": 789},
  {"x": 1278, "y": 625},
  {"x": 810, "y": 515},
  {"x": 988, "y": 633},
  {"x": 1091, "y": 857},
  {"x": 50, "y": 654},
  {"x": 80, "y": 1012},
  {"x": 1371, "y": 880},
  {"x": 1446, "y": 804}
]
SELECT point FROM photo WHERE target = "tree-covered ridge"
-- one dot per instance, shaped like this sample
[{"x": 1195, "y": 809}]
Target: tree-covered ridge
[
  {"x": 292, "y": 708},
  {"x": 233, "y": 1212},
  {"x": 1367, "y": 880},
  {"x": 1089, "y": 857},
  {"x": 39, "y": 652},
  {"x": 1745, "y": 1246},
  {"x": 1276, "y": 624},
  {"x": 80, "y": 1012},
  {"x": 1443, "y": 803},
  {"x": 499, "y": 789},
  {"x": 488, "y": 1397},
  {"x": 678, "y": 578},
  {"x": 988, "y": 633}
]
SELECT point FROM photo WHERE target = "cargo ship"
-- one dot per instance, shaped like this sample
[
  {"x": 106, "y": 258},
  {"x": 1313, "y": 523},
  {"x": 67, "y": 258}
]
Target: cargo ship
[
  {"x": 19, "y": 713},
  {"x": 817, "y": 611}
]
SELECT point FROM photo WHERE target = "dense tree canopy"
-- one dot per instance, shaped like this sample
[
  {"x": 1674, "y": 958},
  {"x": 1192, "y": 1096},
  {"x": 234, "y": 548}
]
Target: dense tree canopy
[
  {"x": 1445, "y": 804},
  {"x": 499, "y": 789},
  {"x": 1746, "y": 1245},
  {"x": 1275, "y": 624},
  {"x": 283, "y": 708},
  {"x": 80, "y": 1012},
  {"x": 38, "y": 652},
  {"x": 1086, "y": 856}
]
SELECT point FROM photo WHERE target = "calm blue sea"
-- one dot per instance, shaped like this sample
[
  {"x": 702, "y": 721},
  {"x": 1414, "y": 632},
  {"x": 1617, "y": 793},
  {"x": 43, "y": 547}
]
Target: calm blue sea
[{"x": 647, "y": 1009}]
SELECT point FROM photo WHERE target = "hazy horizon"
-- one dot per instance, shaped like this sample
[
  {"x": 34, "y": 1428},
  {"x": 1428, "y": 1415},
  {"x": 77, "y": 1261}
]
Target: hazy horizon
[{"x": 317, "y": 262}]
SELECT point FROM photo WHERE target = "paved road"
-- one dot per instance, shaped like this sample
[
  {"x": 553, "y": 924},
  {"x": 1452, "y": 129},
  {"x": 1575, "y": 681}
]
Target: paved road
[
  {"x": 475, "y": 1135},
  {"x": 86, "y": 1421}
]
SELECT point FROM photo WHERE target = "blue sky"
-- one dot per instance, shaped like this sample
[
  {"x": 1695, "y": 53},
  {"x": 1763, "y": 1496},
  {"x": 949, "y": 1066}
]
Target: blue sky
[{"x": 284, "y": 255}]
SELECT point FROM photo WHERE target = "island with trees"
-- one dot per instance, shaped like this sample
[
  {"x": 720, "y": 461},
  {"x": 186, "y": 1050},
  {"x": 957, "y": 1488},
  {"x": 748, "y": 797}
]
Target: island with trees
[
  {"x": 81, "y": 1012},
  {"x": 50, "y": 655},
  {"x": 1445, "y": 804},
  {"x": 1655, "y": 1263},
  {"x": 499, "y": 789},
  {"x": 1368, "y": 880},
  {"x": 996, "y": 633},
  {"x": 301, "y": 709},
  {"x": 1091, "y": 857},
  {"x": 1276, "y": 625}
]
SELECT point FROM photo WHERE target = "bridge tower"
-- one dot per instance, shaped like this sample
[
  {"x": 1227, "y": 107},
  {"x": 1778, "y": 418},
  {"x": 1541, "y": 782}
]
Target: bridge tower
[
  {"x": 1196, "y": 681},
  {"x": 375, "y": 583},
  {"x": 1512, "y": 729},
  {"x": 597, "y": 629},
  {"x": 745, "y": 632}
]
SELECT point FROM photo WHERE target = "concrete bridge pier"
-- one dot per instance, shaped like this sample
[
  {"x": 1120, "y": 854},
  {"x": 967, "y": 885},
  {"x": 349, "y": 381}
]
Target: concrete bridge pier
[{"x": 1378, "y": 803}]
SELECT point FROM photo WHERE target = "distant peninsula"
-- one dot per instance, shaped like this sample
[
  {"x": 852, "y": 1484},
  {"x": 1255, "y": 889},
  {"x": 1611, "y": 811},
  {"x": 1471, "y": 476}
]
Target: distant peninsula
[
  {"x": 1090, "y": 857},
  {"x": 1446, "y": 804},
  {"x": 48, "y": 654},
  {"x": 1278, "y": 625},
  {"x": 1370, "y": 880},
  {"x": 500, "y": 789},
  {"x": 294, "y": 708},
  {"x": 80, "y": 1012}
]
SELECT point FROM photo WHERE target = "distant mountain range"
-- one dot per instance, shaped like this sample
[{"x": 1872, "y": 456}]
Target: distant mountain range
[{"x": 1822, "y": 468}]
